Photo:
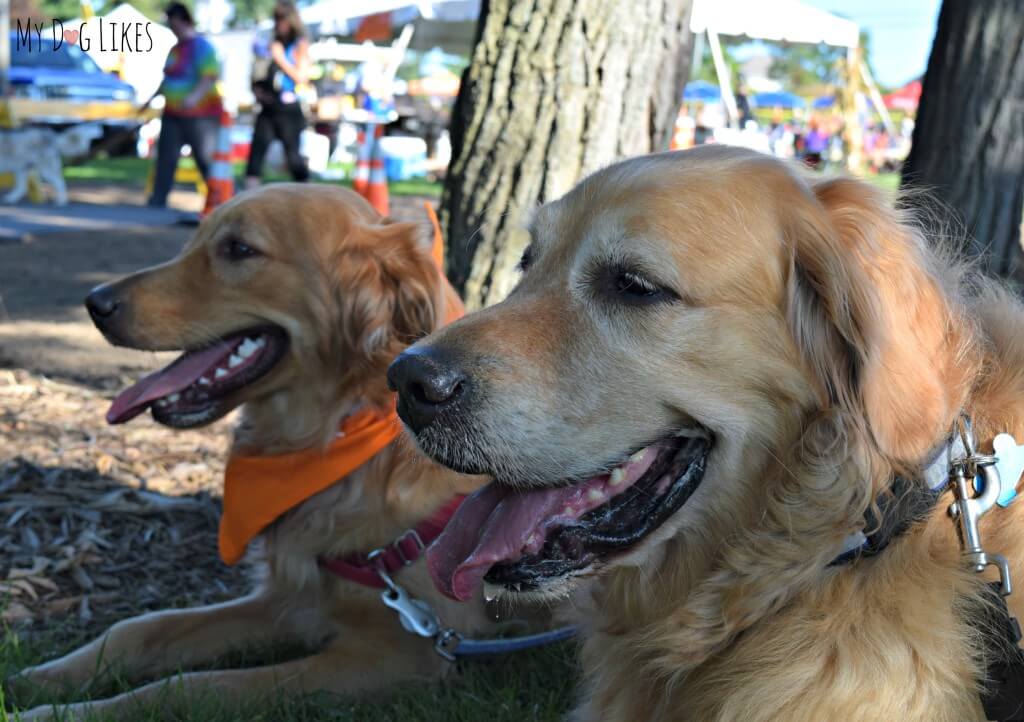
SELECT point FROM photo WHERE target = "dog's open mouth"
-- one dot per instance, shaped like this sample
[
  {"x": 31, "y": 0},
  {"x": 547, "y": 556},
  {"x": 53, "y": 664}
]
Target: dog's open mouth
[
  {"x": 191, "y": 391},
  {"x": 524, "y": 540}
]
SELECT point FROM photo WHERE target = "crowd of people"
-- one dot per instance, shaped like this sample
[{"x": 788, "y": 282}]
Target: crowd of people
[
  {"x": 193, "y": 105},
  {"x": 818, "y": 139}
]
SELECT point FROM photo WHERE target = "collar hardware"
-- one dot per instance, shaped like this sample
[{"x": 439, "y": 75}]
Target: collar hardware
[
  {"x": 967, "y": 508},
  {"x": 413, "y": 536},
  {"x": 967, "y": 511}
]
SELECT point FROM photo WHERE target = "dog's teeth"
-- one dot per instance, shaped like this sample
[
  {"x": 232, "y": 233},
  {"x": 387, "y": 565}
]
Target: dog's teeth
[
  {"x": 173, "y": 398},
  {"x": 618, "y": 476},
  {"x": 492, "y": 591},
  {"x": 518, "y": 586},
  {"x": 219, "y": 374},
  {"x": 568, "y": 511},
  {"x": 595, "y": 495},
  {"x": 203, "y": 381},
  {"x": 261, "y": 342},
  {"x": 638, "y": 456},
  {"x": 248, "y": 348},
  {"x": 234, "y": 361},
  {"x": 161, "y": 402}
]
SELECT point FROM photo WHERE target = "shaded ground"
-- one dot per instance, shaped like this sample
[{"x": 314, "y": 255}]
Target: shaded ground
[{"x": 97, "y": 522}]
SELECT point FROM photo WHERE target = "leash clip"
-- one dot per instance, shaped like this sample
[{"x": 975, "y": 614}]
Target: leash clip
[
  {"x": 415, "y": 615},
  {"x": 967, "y": 509},
  {"x": 418, "y": 618}
]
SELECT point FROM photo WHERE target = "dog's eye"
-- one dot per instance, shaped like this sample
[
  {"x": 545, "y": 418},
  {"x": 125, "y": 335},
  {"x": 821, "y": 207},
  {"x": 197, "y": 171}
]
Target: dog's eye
[
  {"x": 236, "y": 250},
  {"x": 526, "y": 260},
  {"x": 635, "y": 288}
]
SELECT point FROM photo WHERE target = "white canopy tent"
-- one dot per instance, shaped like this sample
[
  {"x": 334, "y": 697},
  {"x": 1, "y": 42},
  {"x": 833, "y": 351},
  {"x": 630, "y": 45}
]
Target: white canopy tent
[
  {"x": 336, "y": 16},
  {"x": 779, "y": 21},
  {"x": 140, "y": 64},
  {"x": 449, "y": 23}
]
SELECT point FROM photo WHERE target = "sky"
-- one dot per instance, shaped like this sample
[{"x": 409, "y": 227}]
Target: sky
[{"x": 901, "y": 33}]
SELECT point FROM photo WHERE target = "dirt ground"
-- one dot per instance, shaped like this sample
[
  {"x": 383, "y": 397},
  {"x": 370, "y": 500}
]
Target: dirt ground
[{"x": 96, "y": 522}]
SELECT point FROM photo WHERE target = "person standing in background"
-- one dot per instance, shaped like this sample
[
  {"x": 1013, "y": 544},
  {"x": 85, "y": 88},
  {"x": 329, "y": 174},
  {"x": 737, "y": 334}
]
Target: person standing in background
[
  {"x": 281, "y": 115},
  {"x": 193, "y": 104},
  {"x": 815, "y": 144}
]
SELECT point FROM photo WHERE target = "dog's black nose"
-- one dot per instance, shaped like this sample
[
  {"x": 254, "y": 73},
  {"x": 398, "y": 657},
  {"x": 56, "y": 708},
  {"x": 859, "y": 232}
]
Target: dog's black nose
[
  {"x": 427, "y": 383},
  {"x": 102, "y": 303}
]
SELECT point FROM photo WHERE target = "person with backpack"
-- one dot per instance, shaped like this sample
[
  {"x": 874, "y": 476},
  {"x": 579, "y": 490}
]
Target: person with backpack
[{"x": 278, "y": 77}]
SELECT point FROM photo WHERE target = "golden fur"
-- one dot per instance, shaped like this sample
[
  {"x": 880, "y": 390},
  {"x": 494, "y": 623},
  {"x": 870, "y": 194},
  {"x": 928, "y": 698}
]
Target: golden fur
[
  {"x": 352, "y": 290},
  {"x": 827, "y": 346}
]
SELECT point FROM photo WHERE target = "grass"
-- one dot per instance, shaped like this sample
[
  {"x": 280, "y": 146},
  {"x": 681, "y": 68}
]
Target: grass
[
  {"x": 538, "y": 685},
  {"x": 887, "y": 181},
  {"x": 134, "y": 171}
]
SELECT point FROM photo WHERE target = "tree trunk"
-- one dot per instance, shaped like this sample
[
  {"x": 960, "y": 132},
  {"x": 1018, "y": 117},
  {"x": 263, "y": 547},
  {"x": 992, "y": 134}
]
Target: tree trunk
[
  {"x": 555, "y": 90},
  {"x": 968, "y": 146}
]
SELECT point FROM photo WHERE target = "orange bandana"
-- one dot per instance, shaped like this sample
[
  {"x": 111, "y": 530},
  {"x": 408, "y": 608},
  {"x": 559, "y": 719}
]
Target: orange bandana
[{"x": 259, "y": 489}]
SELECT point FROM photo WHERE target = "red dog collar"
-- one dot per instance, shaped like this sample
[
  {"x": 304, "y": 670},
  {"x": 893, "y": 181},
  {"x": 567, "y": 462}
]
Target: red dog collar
[{"x": 400, "y": 553}]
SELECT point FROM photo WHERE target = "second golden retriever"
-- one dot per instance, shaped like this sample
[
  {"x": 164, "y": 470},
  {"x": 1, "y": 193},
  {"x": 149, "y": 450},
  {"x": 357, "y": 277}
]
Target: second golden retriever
[
  {"x": 714, "y": 375},
  {"x": 290, "y": 302}
]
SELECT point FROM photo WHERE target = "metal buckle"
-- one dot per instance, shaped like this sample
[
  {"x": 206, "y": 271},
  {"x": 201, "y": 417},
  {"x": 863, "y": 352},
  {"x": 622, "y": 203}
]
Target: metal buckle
[
  {"x": 420, "y": 546},
  {"x": 967, "y": 509},
  {"x": 415, "y": 615},
  {"x": 446, "y": 642}
]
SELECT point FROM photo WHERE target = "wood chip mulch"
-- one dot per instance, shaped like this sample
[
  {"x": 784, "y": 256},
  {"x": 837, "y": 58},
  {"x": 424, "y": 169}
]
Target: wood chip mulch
[{"x": 98, "y": 523}]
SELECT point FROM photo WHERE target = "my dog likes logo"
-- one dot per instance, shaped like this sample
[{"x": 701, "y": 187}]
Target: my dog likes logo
[{"x": 134, "y": 37}]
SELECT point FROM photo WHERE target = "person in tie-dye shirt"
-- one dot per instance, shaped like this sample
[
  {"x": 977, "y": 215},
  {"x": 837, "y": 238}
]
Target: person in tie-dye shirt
[{"x": 193, "y": 104}]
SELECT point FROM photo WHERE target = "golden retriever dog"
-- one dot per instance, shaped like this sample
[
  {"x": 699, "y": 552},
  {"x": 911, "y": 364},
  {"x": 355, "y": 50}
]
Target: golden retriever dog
[
  {"x": 290, "y": 301},
  {"x": 713, "y": 372}
]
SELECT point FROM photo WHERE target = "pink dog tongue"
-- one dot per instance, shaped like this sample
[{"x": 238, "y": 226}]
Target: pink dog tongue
[
  {"x": 492, "y": 525},
  {"x": 181, "y": 374},
  {"x": 499, "y": 524}
]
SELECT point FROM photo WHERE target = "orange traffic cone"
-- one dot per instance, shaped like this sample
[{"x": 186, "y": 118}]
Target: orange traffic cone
[
  {"x": 682, "y": 133},
  {"x": 370, "y": 181},
  {"x": 221, "y": 183},
  {"x": 361, "y": 179},
  {"x": 377, "y": 193}
]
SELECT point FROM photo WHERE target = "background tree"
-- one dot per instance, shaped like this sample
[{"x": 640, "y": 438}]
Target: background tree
[
  {"x": 555, "y": 90},
  {"x": 48, "y": 10},
  {"x": 250, "y": 12},
  {"x": 799, "y": 65},
  {"x": 705, "y": 69},
  {"x": 802, "y": 66},
  {"x": 968, "y": 145}
]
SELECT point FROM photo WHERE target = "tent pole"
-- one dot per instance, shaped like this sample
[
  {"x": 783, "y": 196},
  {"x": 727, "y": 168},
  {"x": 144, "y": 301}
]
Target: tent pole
[
  {"x": 5, "y": 48},
  {"x": 724, "y": 82},
  {"x": 876, "y": 97},
  {"x": 398, "y": 49},
  {"x": 851, "y": 119},
  {"x": 698, "y": 53}
]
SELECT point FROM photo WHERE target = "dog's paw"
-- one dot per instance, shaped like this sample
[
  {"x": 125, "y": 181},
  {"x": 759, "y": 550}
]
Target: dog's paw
[
  {"x": 61, "y": 713},
  {"x": 32, "y": 680}
]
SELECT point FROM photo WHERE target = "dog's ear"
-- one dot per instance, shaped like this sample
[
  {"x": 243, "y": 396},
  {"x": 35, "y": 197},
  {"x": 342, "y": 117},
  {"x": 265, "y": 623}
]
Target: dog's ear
[
  {"x": 390, "y": 291},
  {"x": 871, "y": 318}
]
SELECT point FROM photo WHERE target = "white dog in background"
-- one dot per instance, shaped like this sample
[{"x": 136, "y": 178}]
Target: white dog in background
[{"x": 23, "y": 150}]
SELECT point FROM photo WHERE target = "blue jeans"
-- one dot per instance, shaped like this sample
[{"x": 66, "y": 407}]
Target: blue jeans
[{"x": 176, "y": 131}]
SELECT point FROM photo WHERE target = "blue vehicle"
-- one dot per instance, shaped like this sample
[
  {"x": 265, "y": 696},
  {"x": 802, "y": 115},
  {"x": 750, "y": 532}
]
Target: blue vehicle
[{"x": 62, "y": 87}]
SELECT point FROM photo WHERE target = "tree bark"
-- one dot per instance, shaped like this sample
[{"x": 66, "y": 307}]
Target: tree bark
[
  {"x": 555, "y": 90},
  {"x": 968, "y": 145}
]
